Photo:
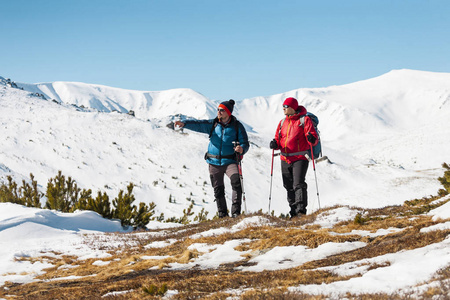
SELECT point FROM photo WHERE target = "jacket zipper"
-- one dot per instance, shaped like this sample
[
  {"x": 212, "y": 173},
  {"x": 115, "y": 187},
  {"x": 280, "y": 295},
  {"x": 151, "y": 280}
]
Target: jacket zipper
[
  {"x": 221, "y": 143},
  {"x": 287, "y": 135}
]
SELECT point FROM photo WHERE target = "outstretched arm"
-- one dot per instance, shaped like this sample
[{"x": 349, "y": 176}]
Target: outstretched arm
[{"x": 203, "y": 126}]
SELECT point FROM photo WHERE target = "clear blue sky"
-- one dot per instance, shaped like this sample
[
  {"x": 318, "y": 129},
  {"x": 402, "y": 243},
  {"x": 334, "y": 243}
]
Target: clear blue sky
[{"x": 222, "y": 49}]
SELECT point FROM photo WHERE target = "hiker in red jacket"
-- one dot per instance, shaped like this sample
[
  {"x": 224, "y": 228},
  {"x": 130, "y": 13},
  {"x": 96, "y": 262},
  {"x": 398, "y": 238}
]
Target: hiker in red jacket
[{"x": 294, "y": 137}]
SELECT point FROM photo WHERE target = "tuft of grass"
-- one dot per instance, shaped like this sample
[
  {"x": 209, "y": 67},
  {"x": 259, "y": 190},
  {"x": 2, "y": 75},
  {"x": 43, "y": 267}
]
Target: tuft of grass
[{"x": 154, "y": 290}]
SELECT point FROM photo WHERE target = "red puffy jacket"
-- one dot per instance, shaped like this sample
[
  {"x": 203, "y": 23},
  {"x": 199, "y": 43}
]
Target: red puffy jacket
[{"x": 292, "y": 137}]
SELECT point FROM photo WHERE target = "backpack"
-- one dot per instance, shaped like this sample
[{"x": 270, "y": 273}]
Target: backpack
[
  {"x": 317, "y": 149},
  {"x": 236, "y": 155}
]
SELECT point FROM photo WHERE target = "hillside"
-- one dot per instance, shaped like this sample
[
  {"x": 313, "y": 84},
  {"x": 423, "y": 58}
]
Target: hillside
[
  {"x": 384, "y": 147},
  {"x": 398, "y": 252},
  {"x": 377, "y": 158}
]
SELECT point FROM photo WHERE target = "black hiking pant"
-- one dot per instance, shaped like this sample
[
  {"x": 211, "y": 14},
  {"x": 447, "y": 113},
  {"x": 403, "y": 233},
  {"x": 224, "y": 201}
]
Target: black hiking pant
[
  {"x": 217, "y": 174},
  {"x": 294, "y": 182}
]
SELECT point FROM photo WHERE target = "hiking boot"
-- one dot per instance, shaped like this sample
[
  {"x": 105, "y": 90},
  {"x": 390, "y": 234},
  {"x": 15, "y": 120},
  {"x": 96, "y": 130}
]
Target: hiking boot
[
  {"x": 223, "y": 215},
  {"x": 299, "y": 215}
]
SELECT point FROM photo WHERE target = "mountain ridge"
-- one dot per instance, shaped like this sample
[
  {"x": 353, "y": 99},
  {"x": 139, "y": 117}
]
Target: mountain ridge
[{"x": 371, "y": 159}]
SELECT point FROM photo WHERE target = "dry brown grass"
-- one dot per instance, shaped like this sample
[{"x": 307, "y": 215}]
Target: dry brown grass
[{"x": 128, "y": 271}]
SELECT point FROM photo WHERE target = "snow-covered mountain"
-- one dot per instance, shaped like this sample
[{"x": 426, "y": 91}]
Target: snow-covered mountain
[
  {"x": 385, "y": 137},
  {"x": 146, "y": 105}
]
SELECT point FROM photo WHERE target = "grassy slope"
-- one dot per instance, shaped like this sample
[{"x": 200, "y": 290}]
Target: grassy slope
[{"x": 128, "y": 271}]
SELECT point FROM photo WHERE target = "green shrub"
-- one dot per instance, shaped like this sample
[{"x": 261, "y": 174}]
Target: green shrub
[
  {"x": 123, "y": 208},
  {"x": 153, "y": 290},
  {"x": 445, "y": 180},
  {"x": 101, "y": 205},
  {"x": 27, "y": 194},
  {"x": 143, "y": 215},
  {"x": 61, "y": 194},
  {"x": 359, "y": 219},
  {"x": 9, "y": 192},
  {"x": 30, "y": 194},
  {"x": 129, "y": 214},
  {"x": 202, "y": 216}
]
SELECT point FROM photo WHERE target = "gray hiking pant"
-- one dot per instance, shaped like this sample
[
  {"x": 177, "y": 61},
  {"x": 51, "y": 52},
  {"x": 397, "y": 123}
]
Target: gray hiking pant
[
  {"x": 294, "y": 182},
  {"x": 217, "y": 174}
]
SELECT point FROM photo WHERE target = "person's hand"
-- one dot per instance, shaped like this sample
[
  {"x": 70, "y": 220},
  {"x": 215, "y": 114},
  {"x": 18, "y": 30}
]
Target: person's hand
[
  {"x": 179, "y": 124},
  {"x": 239, "y": 149},
  {"x": 273, "y": 144},
  {"x": 311, "y": 138}
]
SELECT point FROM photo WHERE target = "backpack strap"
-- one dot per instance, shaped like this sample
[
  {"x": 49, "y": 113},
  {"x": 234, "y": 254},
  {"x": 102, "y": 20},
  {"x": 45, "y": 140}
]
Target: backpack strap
[
  {"x": 302, "y": 121},
  {"x": 236, "y": 128},
  {"x": 279, "y": 130},
  {"x": 215, "y": 122}
]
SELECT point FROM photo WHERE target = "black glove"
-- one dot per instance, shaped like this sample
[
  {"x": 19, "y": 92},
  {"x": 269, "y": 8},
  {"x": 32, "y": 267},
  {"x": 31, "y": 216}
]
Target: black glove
[
  {"x": 273, "y": 144},
  {"x": 311, "y": 138},
  {"x": 171, "y": 125}
]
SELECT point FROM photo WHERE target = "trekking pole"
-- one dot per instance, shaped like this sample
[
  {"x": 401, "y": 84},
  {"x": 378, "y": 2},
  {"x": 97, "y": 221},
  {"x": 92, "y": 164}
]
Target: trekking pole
[
  {"x": 314, "y": 167},
  {"x": 240, "y": 176},
  {"x": 271, "y": 177},
  {"x": 242, "y": 185}
]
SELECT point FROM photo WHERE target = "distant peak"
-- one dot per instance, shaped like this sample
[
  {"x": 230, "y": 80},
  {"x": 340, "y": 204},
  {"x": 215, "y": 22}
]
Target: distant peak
[{"x": 409, "y": 72}]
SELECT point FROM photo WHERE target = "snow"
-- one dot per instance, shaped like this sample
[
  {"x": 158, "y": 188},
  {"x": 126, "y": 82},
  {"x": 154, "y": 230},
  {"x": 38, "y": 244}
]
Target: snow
[
  {"x": 385, "y": 138},
  {"x": 442, "y": 212},
  {"x": 251, "y": 221},
  {"x": 293, "y": 256},
  {"x": 214, "y": 256},
  {"x": 329, "y": 219},
  {"x": 31, "y": 232},
  {"x": 400, "y": 271}
]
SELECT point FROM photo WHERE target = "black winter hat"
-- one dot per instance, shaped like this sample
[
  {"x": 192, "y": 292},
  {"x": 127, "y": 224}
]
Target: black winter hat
[{"x": 228, "y": 106}]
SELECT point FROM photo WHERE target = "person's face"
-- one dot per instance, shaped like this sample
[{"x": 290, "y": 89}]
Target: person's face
[
  {"x": 288, "y": 111},
  {"x": 222, "y": 114}
]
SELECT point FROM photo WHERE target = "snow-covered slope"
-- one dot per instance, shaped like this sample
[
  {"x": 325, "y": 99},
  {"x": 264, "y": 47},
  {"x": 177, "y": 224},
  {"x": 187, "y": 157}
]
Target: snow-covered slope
[
  {"x": 398, "y": 118},
  {"x": 386, "y": 138},
  {"x": 146, "y": 105}
]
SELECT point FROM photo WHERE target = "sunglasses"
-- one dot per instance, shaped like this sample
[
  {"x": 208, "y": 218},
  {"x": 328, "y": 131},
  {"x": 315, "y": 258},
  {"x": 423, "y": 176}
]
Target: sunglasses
[
  {"x": 221, "y": 110},
  {"x": 286, "y": 106}
]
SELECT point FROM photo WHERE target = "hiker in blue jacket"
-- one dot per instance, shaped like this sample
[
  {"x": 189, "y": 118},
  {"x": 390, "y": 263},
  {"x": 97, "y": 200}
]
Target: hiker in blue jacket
[{"x": 223, "y": 153}]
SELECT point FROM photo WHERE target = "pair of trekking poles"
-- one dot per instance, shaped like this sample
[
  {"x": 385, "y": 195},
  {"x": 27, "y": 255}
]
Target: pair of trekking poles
[{"x": 271, "y": 177}]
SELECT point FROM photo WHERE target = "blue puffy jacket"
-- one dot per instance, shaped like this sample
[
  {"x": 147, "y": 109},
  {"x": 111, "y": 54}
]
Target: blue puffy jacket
[{"x": 221, "y": 140}]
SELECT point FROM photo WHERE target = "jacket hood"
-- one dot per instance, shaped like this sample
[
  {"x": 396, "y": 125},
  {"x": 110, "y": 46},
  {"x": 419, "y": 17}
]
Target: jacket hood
[{"x": 301, "y": 111}]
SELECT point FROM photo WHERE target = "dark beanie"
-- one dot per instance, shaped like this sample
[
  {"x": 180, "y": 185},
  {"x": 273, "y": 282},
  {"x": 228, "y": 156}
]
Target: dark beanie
[{"x": 228, "y": 106}]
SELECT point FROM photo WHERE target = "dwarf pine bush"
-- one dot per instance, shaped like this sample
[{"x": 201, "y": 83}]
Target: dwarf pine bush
[
  {"x": 123, "y": 206},
  {"x": 9, "y": 192},
  {"x": 27, "y": 194},
  {"x": 61, "y": 194},
  {"x": 101, "y": 205},
  {"x": 202, "y": 216},
  {"x": 153, "y": 290},
  {"x": 64, "y": 195},
  {"x": 31, "y": 196},
  {"x": 445, "y": 180},
  {"x": 129, "y": 214},
  {"x": 143, "y": 215}
]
